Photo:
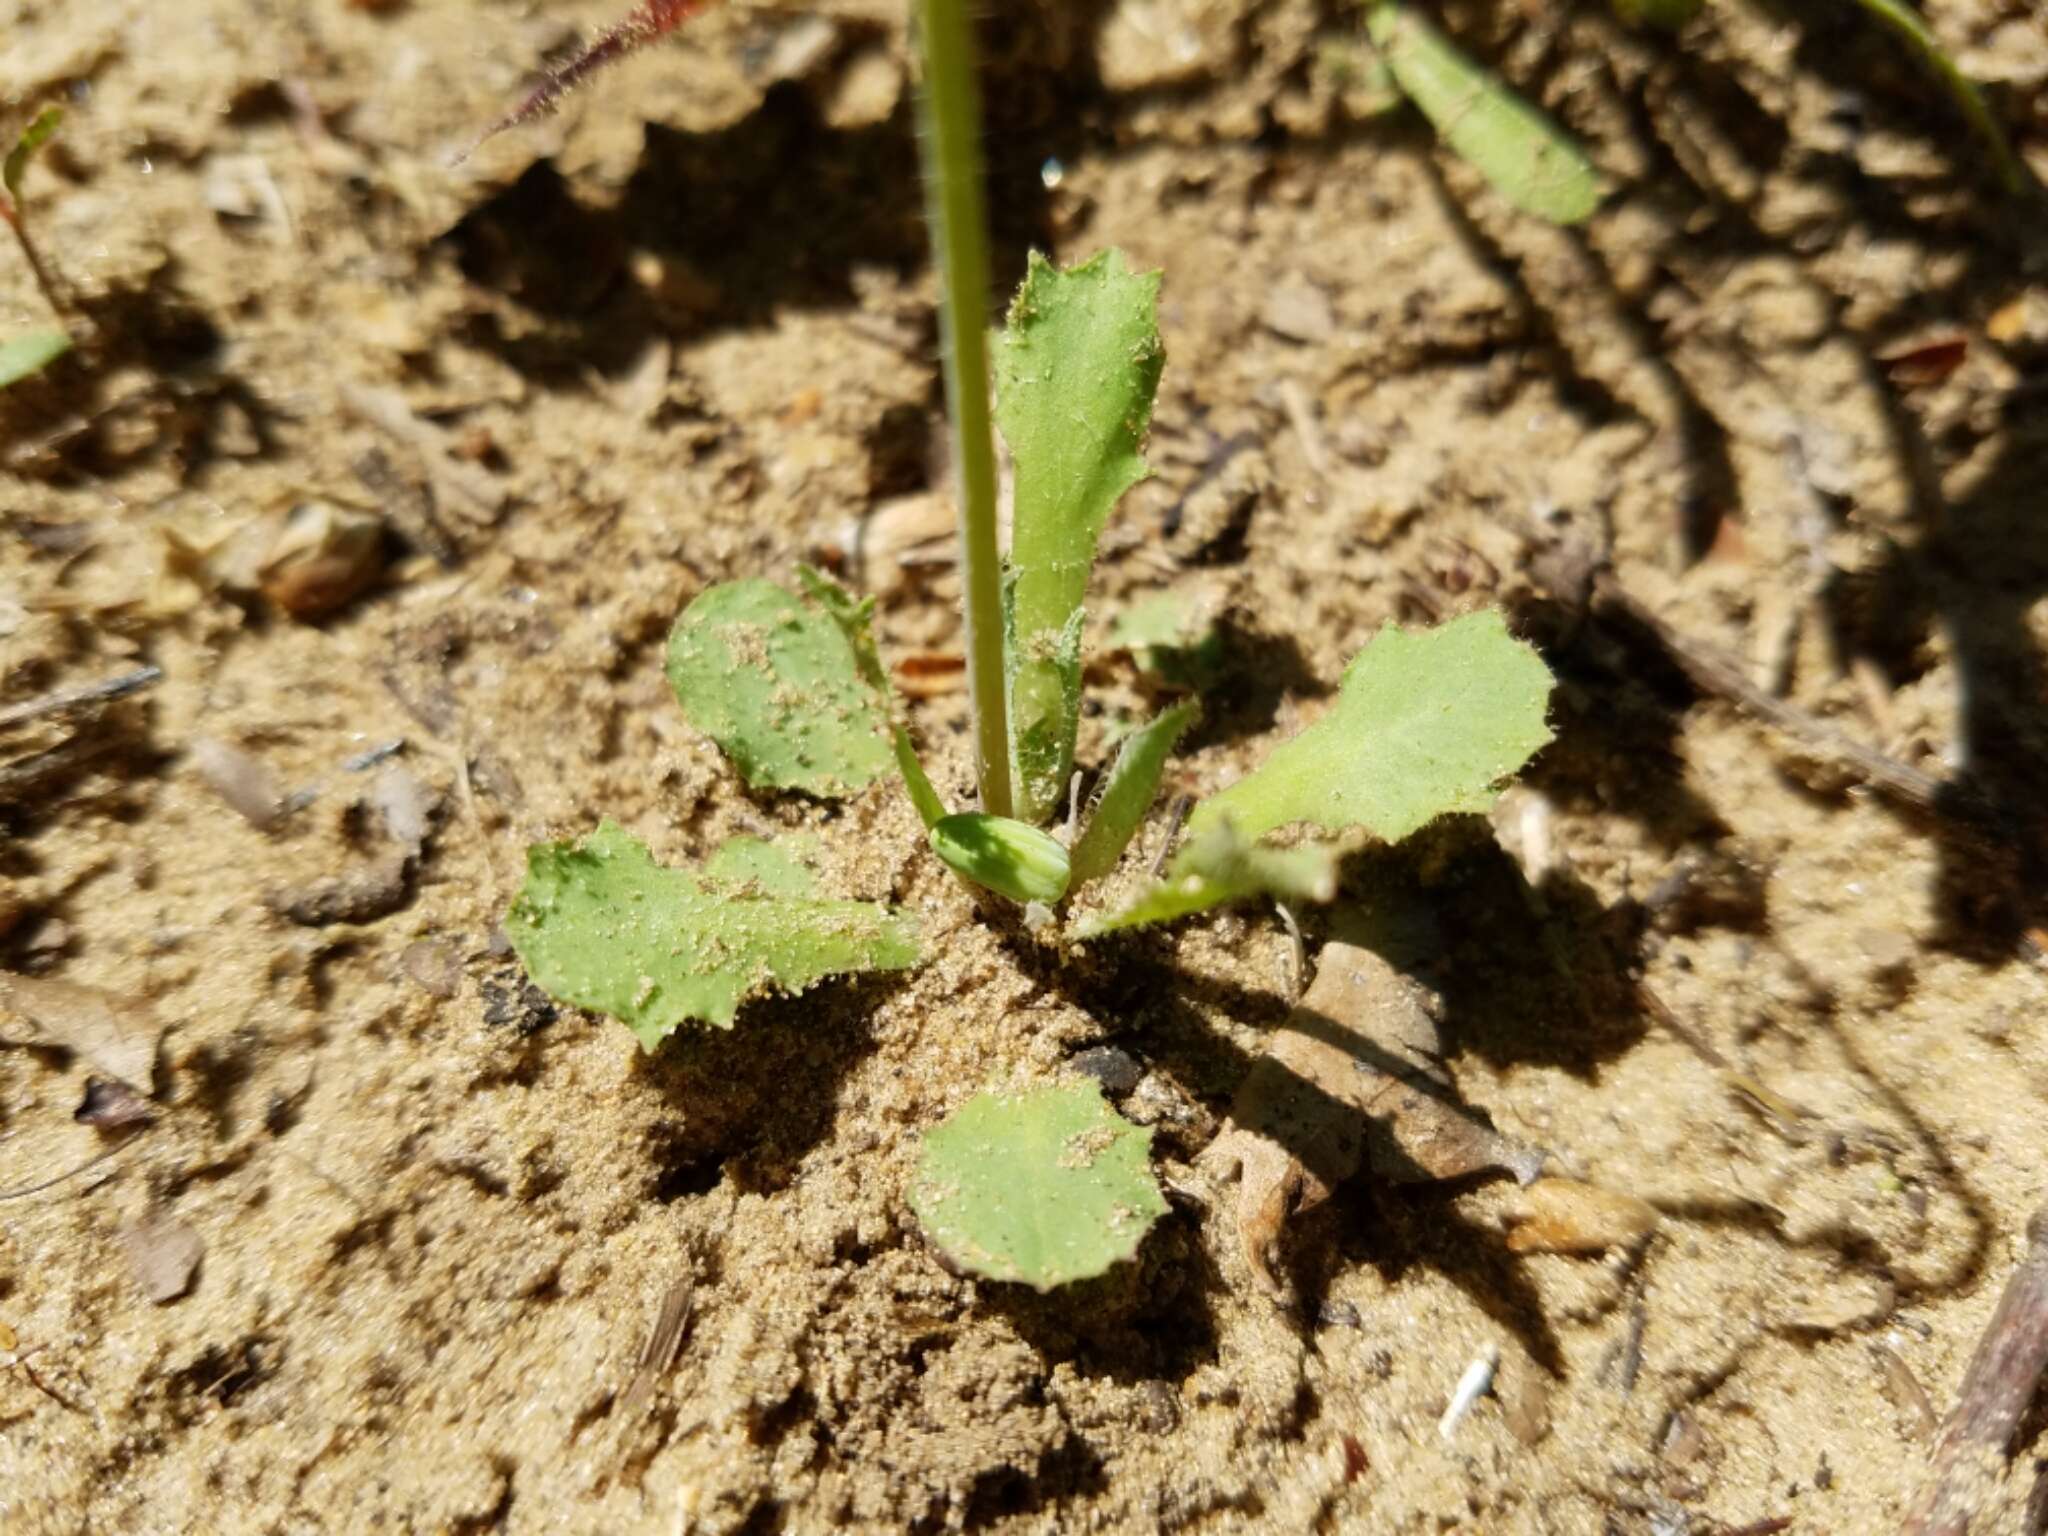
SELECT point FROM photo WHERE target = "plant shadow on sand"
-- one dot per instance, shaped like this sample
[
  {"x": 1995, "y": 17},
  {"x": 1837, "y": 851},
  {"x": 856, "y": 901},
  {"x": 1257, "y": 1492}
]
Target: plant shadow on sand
[{"x": 749, "y": 1102}]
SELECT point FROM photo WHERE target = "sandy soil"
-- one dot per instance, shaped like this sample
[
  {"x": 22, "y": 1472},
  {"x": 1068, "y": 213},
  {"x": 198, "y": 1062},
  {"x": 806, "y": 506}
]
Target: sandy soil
[{"x": 680, "y": 334}]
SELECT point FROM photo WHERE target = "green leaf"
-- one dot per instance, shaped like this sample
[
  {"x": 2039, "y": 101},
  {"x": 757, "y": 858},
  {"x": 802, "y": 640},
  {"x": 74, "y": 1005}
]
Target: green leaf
[
  {"x": 1218, "y": 867},
  {"x": 754, "y": 866},
  {"x": 1045, "y": 1187},
  {"x": 1531, "y": 162},
  {"x": 1909, "y": 25},
  {"x": 1169, "y": 635},
  {"x": 602, "y": 926},
  {"x": 30, "y": 353},
  {"x": 1427, "y": 723},
  {"x": 777, "y": 686},
  {"x": 33, "y": 138},
  {"x": 1128, "y": 790},
  {"x": 856, "y": 621},
  {"x": 1013, "y": 858},
  {"x": 1076, "y": 369}
]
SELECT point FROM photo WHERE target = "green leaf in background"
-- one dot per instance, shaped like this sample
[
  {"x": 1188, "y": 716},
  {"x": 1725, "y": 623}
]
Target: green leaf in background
[
  {"x": 1043, "y": 1187},
  {"x": 1013, "y": 858},
  {"x": 1218, "y": 867},
  {"x": 1531, "y": 162},
  {"x": 33, "y": 137},
  {"x": 30, "y": 353},
  {"x": 777, "y": 686},
  {"x": 856, "y": 621},
  {"x": 1913, "y": 28},
  {"x": 1076, "y": 370},
  {"x": 1128, "y": 790},
  {"x": 1172, "y": 636},
  {"x": 1427, "y": 723},
  {"x": 602, "y": 926}
]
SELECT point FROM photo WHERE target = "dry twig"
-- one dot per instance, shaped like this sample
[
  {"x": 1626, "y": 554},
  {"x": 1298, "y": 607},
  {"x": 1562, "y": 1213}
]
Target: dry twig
[
  {"x": 2000, "y": 1384},
  {"x": 66, "y": 701}
]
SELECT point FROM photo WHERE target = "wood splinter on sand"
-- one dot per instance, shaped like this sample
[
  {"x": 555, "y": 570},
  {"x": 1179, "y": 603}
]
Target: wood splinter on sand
[
  {"x": 1473, "y": 1385},
  {"x": 2003, "y": 1377}
]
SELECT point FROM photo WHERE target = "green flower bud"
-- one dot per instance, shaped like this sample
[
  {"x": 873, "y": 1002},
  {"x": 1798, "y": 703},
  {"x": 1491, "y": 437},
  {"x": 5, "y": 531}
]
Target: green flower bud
[{"x": 1008, "y": 856}]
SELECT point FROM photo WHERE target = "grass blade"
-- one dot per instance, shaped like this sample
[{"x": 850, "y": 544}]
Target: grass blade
[
  {"x": 1531, "y": 162},
  {"x": 30, "y": 353},
  {"x": 1128, "y": 791},
  {"x": 1909, "y": 24}
]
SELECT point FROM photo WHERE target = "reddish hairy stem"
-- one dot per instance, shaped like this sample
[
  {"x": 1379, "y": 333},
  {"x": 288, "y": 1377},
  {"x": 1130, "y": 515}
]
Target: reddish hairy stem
[{"x": 646, "y": 22}]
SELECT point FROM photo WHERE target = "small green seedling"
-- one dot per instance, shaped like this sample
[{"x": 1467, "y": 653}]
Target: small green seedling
[
  {"x": 1049, "y": 1184},
  {"x": 31, "y": 352},
  {"x": 774, "y": 683},
  {"x": 1533, "y": 163},
  {"x": 1913, "y": 29}
]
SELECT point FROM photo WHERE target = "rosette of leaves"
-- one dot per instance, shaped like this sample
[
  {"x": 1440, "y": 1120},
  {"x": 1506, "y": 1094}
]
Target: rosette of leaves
[{"x": 1046, "y": 1185}]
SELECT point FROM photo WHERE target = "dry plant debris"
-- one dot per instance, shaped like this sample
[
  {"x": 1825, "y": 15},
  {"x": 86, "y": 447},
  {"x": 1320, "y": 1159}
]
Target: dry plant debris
[
  {"x": 1353, "y": 1079},
  {"x": 163, "y": 1256},
  {"x": 117, "y": 1034}
]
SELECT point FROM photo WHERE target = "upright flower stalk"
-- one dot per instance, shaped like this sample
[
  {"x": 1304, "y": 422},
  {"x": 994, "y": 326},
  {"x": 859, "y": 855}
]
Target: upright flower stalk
[{"x": 949, "y": 118}]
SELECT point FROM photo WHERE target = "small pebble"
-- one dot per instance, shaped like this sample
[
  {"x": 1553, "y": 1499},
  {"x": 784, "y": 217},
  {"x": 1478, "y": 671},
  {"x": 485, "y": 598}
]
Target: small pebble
[
  {"x": 240, "y": 779},
  {"x": 433, "y": 967},
  {"x": 403, "y": 804},
  {"x": 1116, "y": 1069},
  {"x": 1525, "y": 1403},
  {"x": 163, "y": 1256},
  {"x": 1299, "y": 311},
  {"x": 1339, "y": 1314}
]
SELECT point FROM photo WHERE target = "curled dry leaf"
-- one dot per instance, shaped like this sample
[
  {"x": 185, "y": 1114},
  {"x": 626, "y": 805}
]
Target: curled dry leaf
[
  {"x": 323, "y": 556},
  {"x": 1565, "y": 1216},
  {"x": 111, "y": 1105},
  {"x": 118, "y": 1035},
  {"x": 163, "y": 1256},
  {"x": 927, "y": 674},
  {"x": 1352, "y": 1077},
  {"x": 1926, "y": 363}
]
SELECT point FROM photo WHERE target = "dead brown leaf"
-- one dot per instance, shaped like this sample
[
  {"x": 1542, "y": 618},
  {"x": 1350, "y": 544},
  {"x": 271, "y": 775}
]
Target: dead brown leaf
[
  {"x": 1353, "y": 1078},
  {"x": 111, "y": 1105},
  {"x": 1928, "y": 363},
  {"x": 117, "y": 1034},
  {"x": 927, "y": 674},
  {"x": 1565, "y": 1216}
]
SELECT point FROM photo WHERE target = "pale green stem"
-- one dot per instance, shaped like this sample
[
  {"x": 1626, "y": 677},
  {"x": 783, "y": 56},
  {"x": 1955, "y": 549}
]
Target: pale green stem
[{"x": 949, "y": 115}]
